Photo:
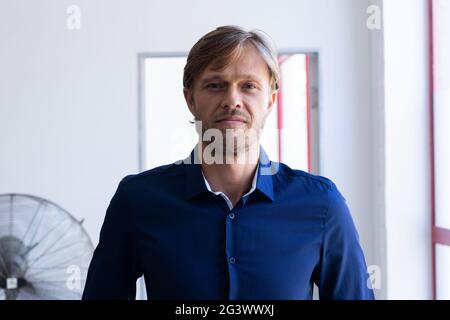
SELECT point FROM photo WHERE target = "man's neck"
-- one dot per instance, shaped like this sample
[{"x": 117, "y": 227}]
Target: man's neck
[{"x": 234, "y": 179}]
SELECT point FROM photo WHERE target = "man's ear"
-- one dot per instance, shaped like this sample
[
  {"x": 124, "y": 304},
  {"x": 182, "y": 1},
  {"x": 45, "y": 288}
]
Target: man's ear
[
  {"x": 272, "y": 100},
  {"x": 189, "y": 100}
]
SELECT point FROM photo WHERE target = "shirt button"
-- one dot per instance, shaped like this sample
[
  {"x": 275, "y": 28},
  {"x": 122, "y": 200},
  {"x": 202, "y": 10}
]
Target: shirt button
[
  {"x": 232, "y": 260},
  {"x": 231, "y": 215}
]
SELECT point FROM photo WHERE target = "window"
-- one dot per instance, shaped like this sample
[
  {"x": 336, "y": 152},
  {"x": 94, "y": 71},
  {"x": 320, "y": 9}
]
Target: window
[
  {"x": 440, "y": 115},
  {"x": 290, "y": 134}
]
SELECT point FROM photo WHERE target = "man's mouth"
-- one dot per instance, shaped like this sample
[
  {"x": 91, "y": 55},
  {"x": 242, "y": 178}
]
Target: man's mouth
[{"x": 232, "y": 120}]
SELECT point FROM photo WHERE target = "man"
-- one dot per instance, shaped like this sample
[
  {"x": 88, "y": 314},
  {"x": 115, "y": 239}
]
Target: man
[{"x": 228, "y": 223}]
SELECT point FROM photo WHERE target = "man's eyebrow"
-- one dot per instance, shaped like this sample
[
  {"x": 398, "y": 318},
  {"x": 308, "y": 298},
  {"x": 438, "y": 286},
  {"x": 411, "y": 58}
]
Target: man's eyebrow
[
  {"x": 211, "y": 78},
  {"x": 218, "y": 77}
]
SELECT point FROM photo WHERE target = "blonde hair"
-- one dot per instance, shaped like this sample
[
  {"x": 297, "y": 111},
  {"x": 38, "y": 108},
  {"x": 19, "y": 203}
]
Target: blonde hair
[{"x": 224, "y": 45}]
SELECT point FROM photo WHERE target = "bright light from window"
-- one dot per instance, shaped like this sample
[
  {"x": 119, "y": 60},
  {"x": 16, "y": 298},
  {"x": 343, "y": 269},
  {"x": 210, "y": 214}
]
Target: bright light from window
[{"x": 441, "y": 113}]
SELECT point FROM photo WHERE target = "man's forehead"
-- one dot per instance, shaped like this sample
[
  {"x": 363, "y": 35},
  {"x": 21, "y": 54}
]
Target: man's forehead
[{"x": 249, "y": 65}]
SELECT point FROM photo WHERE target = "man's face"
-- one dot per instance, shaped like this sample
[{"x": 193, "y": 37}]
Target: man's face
[{"x": 236, "y": 99}]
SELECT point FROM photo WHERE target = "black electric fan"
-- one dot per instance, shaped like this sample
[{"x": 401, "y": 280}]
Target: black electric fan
[{"x": 44, "y": 251}]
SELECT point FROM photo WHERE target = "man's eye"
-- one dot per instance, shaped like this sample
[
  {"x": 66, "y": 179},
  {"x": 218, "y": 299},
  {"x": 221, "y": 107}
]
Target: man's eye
[
  {"x": 249, "y": 86},
  {"x": 214, "y": 86}
]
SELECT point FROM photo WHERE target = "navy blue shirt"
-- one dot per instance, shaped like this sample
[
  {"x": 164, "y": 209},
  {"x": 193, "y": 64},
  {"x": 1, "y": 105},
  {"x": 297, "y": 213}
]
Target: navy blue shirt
[{"x": 292, "y": 231}]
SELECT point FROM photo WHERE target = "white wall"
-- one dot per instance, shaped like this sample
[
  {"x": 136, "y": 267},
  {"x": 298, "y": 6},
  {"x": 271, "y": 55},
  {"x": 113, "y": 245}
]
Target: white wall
[
  {"x": 68, "y": 99},
  {"x": 379, "y": 152},
  {"x": 407, "y": 179}
]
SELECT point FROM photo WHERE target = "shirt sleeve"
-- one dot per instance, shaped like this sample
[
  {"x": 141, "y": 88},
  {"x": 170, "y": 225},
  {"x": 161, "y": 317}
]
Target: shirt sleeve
[
  {"x": 112, "y": 271},
  {"x": 343, "y": 271}
]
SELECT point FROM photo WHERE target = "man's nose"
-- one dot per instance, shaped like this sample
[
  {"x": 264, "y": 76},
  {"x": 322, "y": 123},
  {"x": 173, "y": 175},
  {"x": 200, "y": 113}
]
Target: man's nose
[{"x": 232, "y": 98}]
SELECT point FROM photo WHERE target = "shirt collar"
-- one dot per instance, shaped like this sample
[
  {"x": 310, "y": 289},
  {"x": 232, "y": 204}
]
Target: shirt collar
[
  {"x": 255, "y": 176},
  {"x": 262, "y": 181}
]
